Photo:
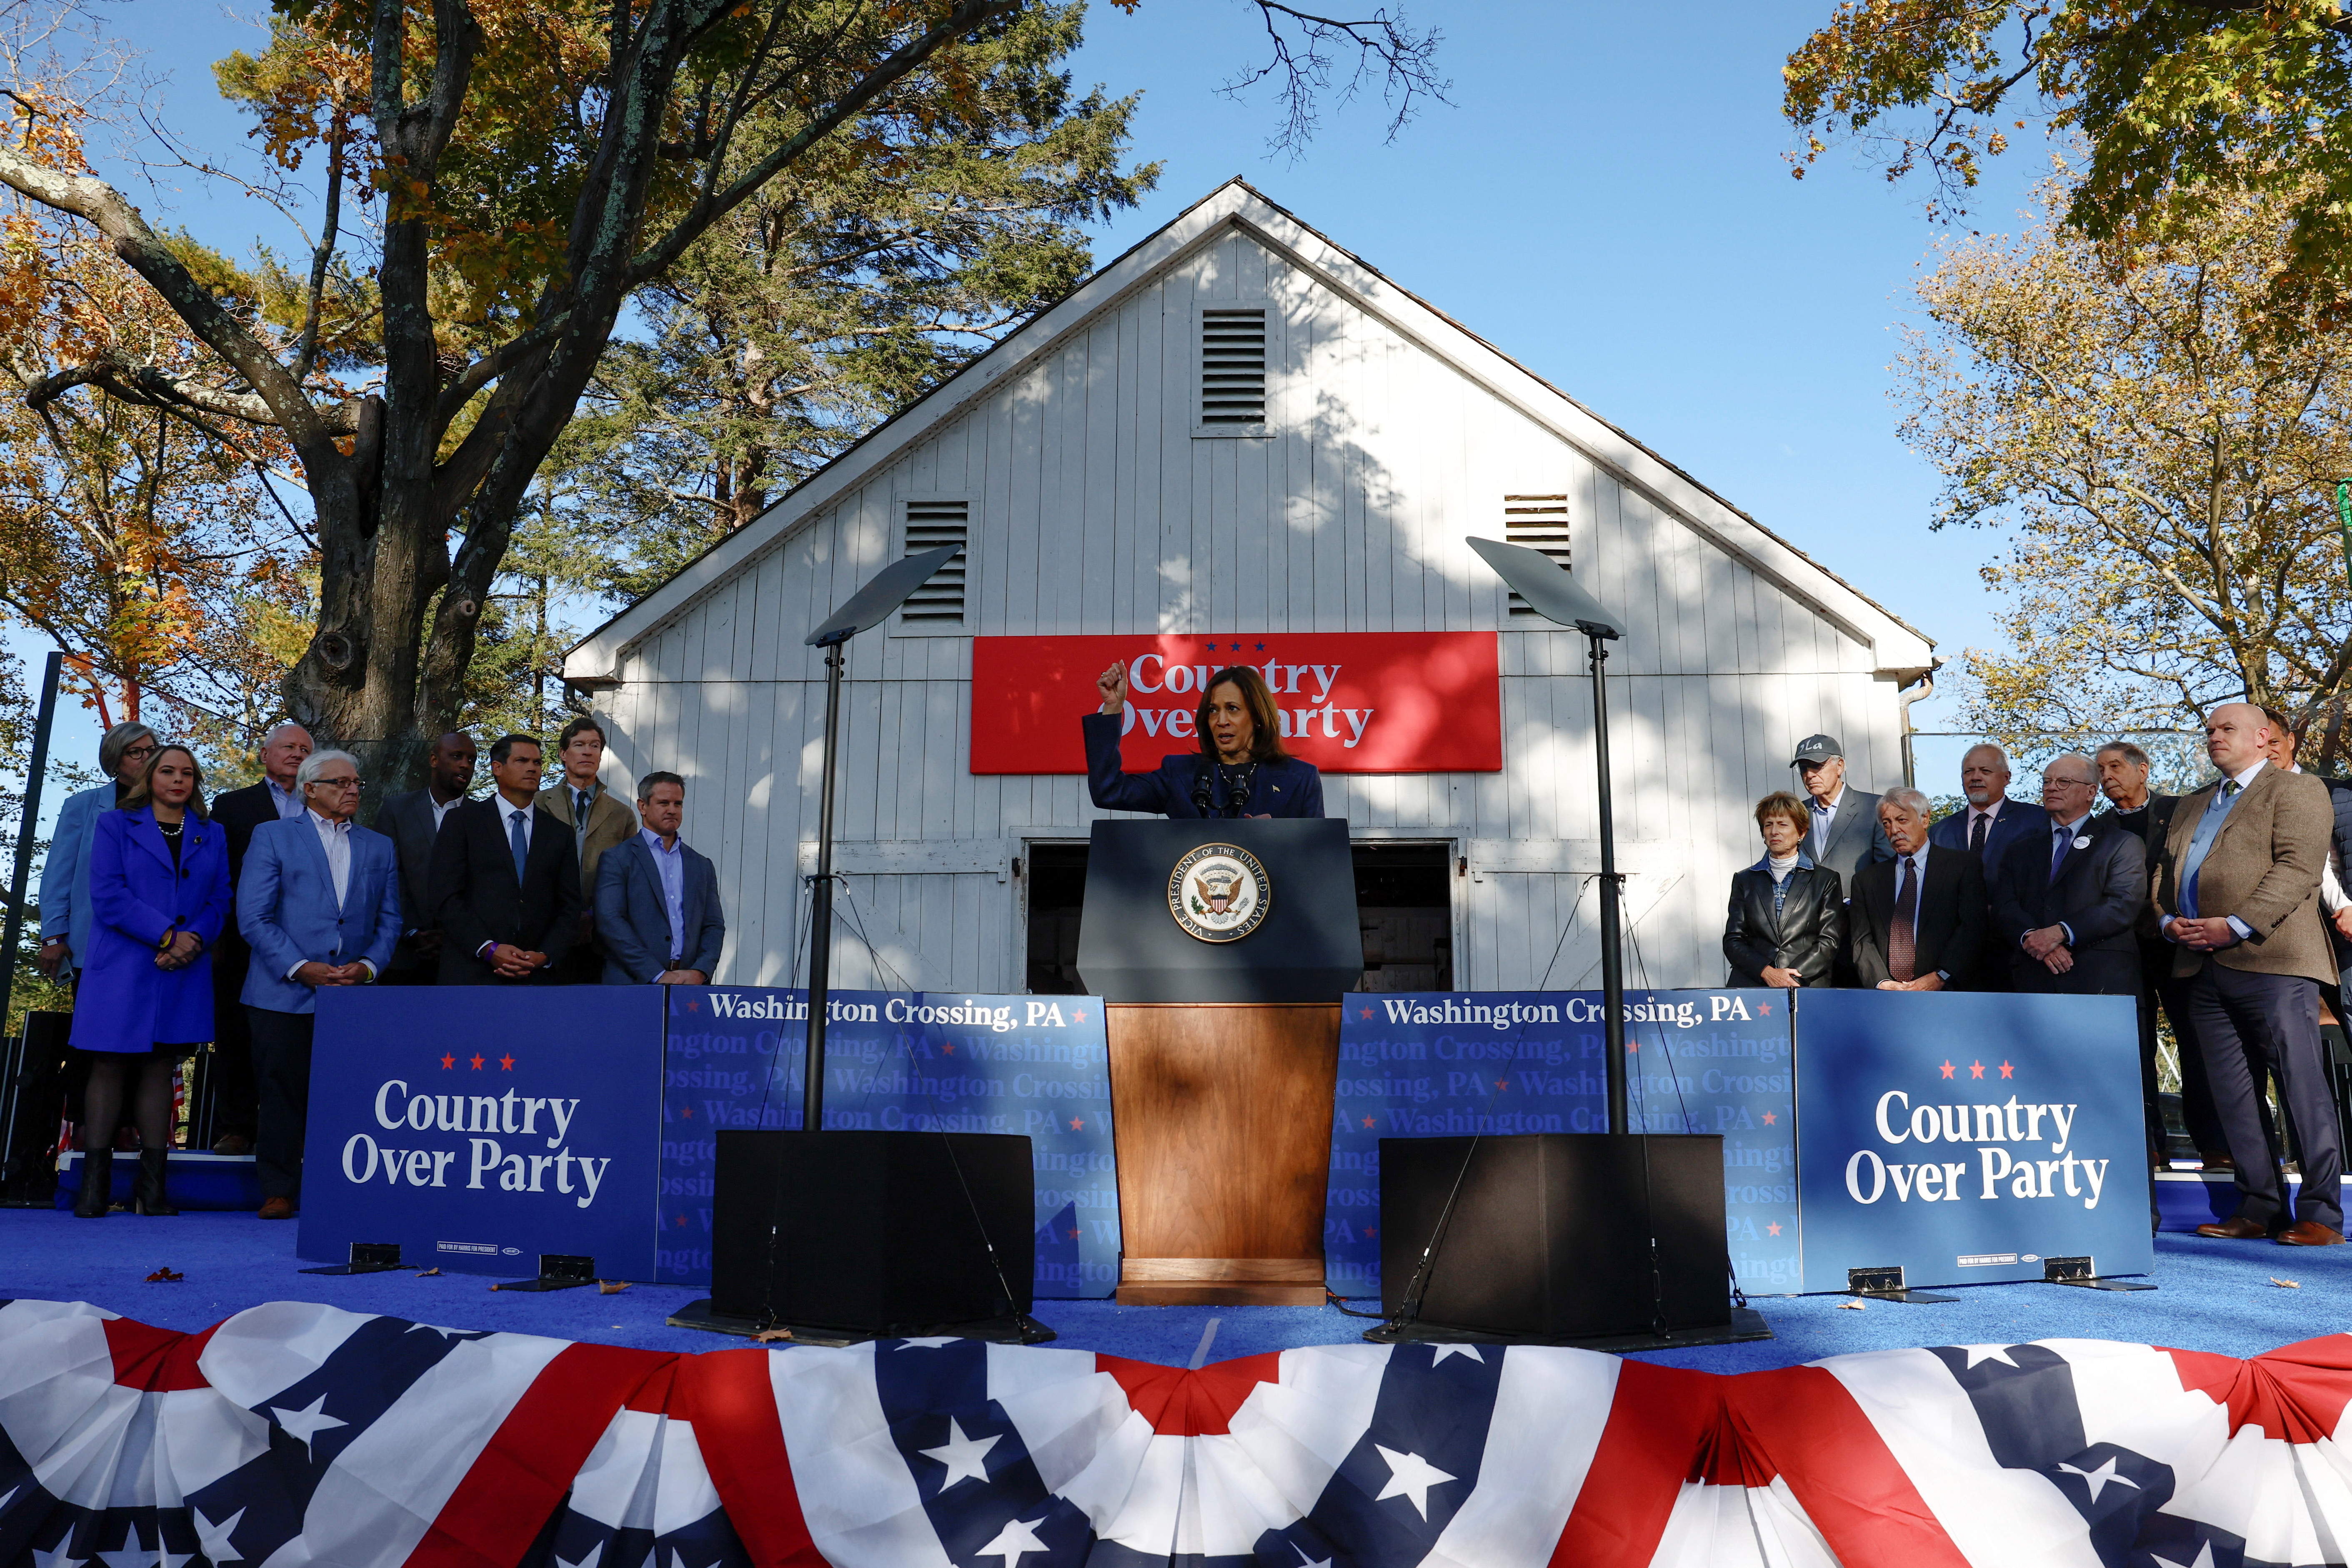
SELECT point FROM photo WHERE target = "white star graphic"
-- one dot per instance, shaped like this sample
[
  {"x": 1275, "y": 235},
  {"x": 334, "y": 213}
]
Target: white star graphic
[
  {"x": 962, "y": 1455},
  {"x": 1444, "y": 1351},
  {"x": 2204, "y": 1558},
  {"x": 2098, "y": 1480},
  {"x": 61, "y": 1556},
  {"x": 594, "y": 1553},
  {"x": 934, "y": 1343},
  {"x": 307, "y": 1423},
  {"x": 436, "y": 1329},
  {"x": 8, "y": 1497},
  {"x": 129, "y": 1554},
  {"x": 1410, "y": 1476},
  {"x": 1988, "y": 1352},
  {"x": 1014, "y": 1538},
  {"x": 214, "y": 1537},
  {"x": 167, "y": 1558},
  {"x": 1303, "y": 1562}
]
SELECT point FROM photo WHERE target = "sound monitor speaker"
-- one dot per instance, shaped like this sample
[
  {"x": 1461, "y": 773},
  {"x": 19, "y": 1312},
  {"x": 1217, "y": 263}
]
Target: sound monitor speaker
[
  {"x": 1550, "y": 1235},
  {"x": 873, "y": 1231}
]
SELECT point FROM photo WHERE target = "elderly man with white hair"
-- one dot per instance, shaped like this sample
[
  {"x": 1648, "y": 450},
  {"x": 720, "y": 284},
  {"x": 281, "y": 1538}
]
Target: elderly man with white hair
[
  {"x": 235, "y": 1110},
  {"x": 2066, "y": 901},
  {"x": 1916, "y": 921}
]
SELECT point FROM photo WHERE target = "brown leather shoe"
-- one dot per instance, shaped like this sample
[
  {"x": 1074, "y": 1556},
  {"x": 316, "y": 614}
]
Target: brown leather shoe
[
  {"x": 2216, "y": 1162},
  {"x": 277, "y": 1208},
  {"x": 2310, "y": 1233},
  {"x": 2237, "y": 1227},
  {"x": 233, "y": 1143}
]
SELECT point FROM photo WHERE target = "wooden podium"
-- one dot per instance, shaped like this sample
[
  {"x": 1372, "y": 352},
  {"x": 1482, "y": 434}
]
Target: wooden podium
[{"x": 1223, "y": 1059}]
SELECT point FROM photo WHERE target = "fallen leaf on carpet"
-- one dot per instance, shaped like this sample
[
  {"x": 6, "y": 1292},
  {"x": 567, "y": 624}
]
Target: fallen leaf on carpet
[
  {"x": 611, "y": 1287},
  {"x": 166, "y": 1277},
  {"x": 428, "y": 1274},
  {"x": 1852, "y": 1306},
  {"x": 765, "y": 1335},
  {"x": 2282, "y": 1284}
]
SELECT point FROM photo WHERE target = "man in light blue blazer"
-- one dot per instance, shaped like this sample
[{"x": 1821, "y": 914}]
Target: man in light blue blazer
[
  {"x": 319, "y": 903},
  {"x": 657, "y": 901},
  {"x": 65, "y": 876}
]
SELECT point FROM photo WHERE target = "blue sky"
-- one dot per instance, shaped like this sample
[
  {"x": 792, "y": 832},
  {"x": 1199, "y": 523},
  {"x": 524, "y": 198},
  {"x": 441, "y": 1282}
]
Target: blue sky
[{"x": 1607, "y": 202}]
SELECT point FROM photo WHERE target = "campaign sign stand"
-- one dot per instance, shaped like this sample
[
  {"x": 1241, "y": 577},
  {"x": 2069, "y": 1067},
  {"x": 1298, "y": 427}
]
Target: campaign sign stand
[
  {"x": 1446, "y": 1064},
  {"x": 1969, "y": 1137},
  {"x": 897, "y": 1062},
  {"x": 472, "y": 1130}
]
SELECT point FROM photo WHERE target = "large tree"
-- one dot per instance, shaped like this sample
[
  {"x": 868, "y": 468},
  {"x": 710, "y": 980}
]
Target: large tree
[{"x": 518, "y": 170}]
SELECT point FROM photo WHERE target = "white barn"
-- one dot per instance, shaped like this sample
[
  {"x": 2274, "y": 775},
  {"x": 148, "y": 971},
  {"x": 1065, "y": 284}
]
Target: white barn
[{"x": 1074, "y": 462}]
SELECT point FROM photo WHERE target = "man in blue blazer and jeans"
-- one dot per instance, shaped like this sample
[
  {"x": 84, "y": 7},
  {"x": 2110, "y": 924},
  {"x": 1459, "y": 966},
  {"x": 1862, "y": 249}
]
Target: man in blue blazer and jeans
[
  {"x": 657, "y": 901},
  {"x": 318, "y": 904}
]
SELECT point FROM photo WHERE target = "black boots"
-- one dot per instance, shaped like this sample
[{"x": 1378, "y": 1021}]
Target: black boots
[
  {"x": 97, "y": 1184},
  {"x": 148, "y": 1197}
]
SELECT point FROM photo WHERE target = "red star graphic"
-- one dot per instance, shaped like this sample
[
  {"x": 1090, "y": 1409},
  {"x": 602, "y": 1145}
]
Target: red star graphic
[
  {"x": 1947, "y": 1070},
  {"x": 691, "y": 1007},
  {"x": 1074, "y": 1236},
  {"x": 948, "y": 1045},
  {"x": 1500, "y": 1083},
  {"x": 1364, "y": 1012},
  {"x": 1370, "y": 1231},
  {"x": 679, "y": 1222},
  {"x": 1078, "y": 1124},
  {"x": 448, "y": 1062},
  {"x": 1773, "y": 1229},
  {"x": 1975, "y": 1069},
  {"x": 686, "y": 1112},
  {"x": 1772, "y": 1118},
  {"x": 478, "y": 1061},
  {"x": 1633, "y": 1045},
  {"x": 1078, "y": 1016},
  {"x": 507, "y": 1061},
  {"x": 1368, "y": 1121},
  {"x": 2007, "y": 1070}
]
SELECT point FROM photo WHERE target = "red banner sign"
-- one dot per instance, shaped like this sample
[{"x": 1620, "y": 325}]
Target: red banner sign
[{"x": 1351, "y": 703}]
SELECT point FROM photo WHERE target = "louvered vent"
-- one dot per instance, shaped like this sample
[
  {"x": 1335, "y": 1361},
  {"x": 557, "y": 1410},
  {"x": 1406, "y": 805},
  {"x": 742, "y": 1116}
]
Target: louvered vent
[
  {"x": 930, "y": 525},
  {"x": 1233, "y": 366},
  {"x": 1540, "y": 523}
]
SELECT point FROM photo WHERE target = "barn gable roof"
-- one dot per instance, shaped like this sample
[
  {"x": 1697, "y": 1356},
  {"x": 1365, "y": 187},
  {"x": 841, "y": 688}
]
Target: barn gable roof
[{"x": 1899, "y": 649}]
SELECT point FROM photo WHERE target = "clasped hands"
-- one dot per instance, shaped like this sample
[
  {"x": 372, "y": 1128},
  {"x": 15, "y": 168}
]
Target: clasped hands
[
  {"x": 512, "y": 963},
  {"x": 179, "y": 952},
  {"x": 2048, "y": 947},
  {"x": 2201, "y": 935},
  {"x": 353, "y": 973}
]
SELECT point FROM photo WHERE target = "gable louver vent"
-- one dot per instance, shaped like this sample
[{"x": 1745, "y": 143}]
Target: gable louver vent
[
  {"x": 931, "y": 524},
  {"x": 1233, "y": 366},
  {"x": 1540, "y": 523}
]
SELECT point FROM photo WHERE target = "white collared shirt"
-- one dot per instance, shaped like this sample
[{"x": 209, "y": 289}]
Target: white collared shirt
[
  {"x": 289, "y": 802},
  {"x": 2332, "y": 897},
  {"x": 441, "y": 811},
  {"x": 335, "y": 839},
  {"x": 1992, "y": 815},
  {"x": 1825, "y": 820}
]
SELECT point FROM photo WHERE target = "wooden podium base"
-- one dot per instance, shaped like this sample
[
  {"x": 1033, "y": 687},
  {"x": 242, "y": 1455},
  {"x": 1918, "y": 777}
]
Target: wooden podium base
[{"x": 1222, "y": 1116}]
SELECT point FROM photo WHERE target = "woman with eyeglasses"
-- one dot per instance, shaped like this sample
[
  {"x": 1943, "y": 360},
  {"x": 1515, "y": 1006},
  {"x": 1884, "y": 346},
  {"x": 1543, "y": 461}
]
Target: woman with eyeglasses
[
  {"x": 65, "y": 875},
  {"x": 158, "y": 893}
]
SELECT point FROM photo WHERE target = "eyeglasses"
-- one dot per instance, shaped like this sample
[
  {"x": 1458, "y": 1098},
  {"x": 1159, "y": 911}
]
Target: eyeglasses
[
  {"x": 339, "y": 783},
  {"x": 134, "y": 753}
]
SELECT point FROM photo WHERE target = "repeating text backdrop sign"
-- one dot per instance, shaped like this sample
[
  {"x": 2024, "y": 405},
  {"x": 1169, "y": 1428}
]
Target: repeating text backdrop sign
[
  {"x": 536, "y": 1134},
  {"x": 898, "y": 1061},
  {"x": 1968, "y": 1136},
  {"x": 1351, "y": 703},
  {"x": 1444, "y": 1064}
]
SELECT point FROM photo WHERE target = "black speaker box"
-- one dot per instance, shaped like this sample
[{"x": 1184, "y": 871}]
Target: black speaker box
[
  {"x": 1550, "y": 1235},
  {"x": 872, "y": 1231}
]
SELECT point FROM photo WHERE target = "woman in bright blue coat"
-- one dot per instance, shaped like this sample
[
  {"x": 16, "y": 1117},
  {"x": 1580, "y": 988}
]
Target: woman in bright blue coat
[
  {"x": 159, "y": 889},
  {"x": 1239, "y": 769}
]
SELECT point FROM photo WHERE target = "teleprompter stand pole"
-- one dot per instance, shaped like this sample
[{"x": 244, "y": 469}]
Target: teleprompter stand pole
[
  {"x": 821, "y": 914},
  {"x": 1613, "y": 957}
]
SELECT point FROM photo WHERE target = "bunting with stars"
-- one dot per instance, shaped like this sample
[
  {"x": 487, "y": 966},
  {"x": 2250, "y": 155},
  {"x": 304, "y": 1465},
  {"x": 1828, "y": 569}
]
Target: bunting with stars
[{"x": 293, "y": 1434}]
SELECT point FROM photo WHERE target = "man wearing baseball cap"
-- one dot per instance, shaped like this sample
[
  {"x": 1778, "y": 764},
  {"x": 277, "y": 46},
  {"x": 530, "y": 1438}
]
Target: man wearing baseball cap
[{"x": 1845, "y": 834}]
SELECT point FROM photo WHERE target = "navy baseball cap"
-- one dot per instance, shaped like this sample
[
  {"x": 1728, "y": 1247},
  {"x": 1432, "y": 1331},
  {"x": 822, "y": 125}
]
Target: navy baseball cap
[{"x": 1817, "y": 748}]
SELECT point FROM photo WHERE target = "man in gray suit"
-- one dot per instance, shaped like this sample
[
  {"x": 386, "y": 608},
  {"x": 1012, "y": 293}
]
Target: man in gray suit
[
  {"x": 412, "y": 821},
  {"x": 1846, "y": 835},
  {"x": 657, "y": 901}
]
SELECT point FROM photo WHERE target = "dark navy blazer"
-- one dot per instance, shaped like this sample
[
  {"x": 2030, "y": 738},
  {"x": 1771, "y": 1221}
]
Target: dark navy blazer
[{"x": 1290, "y": 788}]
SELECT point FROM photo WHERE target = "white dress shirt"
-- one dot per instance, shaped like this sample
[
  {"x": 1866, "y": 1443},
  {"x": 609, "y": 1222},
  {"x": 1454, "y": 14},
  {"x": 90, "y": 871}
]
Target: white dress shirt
[
  {"x": 2195, "y": 861},
  {"x": 2332, "y": 897},
  {"x": 335, "y": 838},
  {"x": 441, "y": 810}
]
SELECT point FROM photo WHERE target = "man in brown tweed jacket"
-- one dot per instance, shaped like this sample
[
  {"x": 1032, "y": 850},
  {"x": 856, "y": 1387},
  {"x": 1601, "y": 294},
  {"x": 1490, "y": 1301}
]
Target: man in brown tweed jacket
[{"x": 2236, "y": 893}]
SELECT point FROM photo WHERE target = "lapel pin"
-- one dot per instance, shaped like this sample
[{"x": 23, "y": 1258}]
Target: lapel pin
[{"x": 2082, "y": 841}]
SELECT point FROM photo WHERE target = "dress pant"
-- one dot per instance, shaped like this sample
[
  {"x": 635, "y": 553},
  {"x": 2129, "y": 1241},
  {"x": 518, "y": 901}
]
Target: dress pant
[
  {"x": 2243, "y": 1022},
  {"x": 413, "y": 975},
  {"x": 235, "y": 1106},
  {"x": 281, "y": 1064},
  {"x": 2160, "y": 988}
]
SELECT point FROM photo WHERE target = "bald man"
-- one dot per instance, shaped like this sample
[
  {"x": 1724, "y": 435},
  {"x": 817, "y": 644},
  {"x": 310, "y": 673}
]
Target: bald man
[
  {"x": 236, "y": 1096},
  {"x": 2237, "y": 894}
]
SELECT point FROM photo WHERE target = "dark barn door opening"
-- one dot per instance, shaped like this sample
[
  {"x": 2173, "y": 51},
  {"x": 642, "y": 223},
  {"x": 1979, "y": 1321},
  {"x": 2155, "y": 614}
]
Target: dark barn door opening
[{"x": 1056, "y": 875}]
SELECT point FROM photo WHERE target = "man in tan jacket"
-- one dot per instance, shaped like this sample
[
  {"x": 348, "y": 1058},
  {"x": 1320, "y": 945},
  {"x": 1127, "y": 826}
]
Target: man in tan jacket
[
  {"x": 599, "y": 820},
  {"x": 2236, "y": 893}
]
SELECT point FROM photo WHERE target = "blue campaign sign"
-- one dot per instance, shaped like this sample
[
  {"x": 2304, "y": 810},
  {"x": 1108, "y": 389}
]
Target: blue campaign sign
[
  {"x": 1443, "y": 1064},
  {"x": 478, "y": 1149},
  {"x": 898, "y": 1061},
  {"x": 1969, "y": 1136}
]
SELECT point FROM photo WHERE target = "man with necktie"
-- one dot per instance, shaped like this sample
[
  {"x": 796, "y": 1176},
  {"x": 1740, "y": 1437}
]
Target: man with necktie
[
  {"x": 600, "y": 820},
  {"x": 2238, "y": 895},
  {"x": 235, "y": 1107},
  {"x": 506, "y": 880},
  {"x": 2066, "y": 902},
  {"x": 1986, "y": 827},
  {"x": 1917, "y": 921}
]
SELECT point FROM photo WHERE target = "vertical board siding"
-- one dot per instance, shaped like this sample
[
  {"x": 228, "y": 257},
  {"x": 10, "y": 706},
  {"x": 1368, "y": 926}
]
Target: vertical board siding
[{"x": 1094, "y": 508}]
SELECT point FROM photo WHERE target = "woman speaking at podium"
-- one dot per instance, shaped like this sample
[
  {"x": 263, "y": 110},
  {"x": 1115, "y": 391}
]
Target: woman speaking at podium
[{"x": 1240, "y": 770}]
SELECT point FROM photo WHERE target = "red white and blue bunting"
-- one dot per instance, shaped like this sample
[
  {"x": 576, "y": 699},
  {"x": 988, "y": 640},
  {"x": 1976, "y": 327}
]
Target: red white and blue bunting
[{"x": 294, "y": 1435}]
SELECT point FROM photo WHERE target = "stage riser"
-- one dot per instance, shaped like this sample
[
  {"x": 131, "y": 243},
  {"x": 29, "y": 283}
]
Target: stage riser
[{"x": 192, "y": 1180}]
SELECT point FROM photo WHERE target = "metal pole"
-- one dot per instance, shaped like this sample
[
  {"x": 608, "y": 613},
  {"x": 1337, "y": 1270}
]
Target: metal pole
[
  {"x": 821, "y": 915},
  {"x": 27, "y": 823},
  {"x": 1612, "y": 962}
]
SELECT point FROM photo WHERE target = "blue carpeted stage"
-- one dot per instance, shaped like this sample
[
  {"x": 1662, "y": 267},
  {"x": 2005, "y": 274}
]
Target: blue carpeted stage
[{"x": 2214, "y": 1295}]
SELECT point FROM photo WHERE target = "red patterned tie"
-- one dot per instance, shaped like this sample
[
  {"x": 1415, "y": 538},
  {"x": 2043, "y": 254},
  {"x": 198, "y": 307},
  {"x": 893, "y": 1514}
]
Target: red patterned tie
[{"x": 1902, "y": 937}]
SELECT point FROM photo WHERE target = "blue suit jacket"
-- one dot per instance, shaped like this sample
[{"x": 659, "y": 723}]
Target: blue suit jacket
[
  {"x": 66, "y": 909},
  {"x": 2016, "y": 820},
  {"x": 633, "y": 917},
  {"x": 1290, "y": 788},
  {"x": 137, "y": 899},
  {"x": 285, "y": 908}
]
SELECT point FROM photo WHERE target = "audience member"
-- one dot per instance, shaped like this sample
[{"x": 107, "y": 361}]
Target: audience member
[
  {"x": 1844, "y": 833},
  {"x": 2065, "y": 907},
  {"x": 599, "y": 820},
  {"x": 1915, "y": 923},
  {"x": 657, "y": 901},
  {"x": 235, "y": 1104},
  {"x": 411, "y": 820},
  {"x": 2123, "y": 778},
  {"x": 64, "y": 874},
  {"x": 1788, "y": 915},
  {"x": 159, "y": 893},
  {"x": 1988, "y": 826},
  {"x": 2237, "y": 893},
  {"x": 318, "y": 904},
  {"x": 505, "y": 881}
]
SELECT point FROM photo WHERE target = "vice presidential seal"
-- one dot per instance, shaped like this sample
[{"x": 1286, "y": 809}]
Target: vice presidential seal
[{"x": 1219, "y": 893}]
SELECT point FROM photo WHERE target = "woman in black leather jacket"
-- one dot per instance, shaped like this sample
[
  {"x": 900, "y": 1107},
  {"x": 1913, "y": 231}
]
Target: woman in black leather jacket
[{"x": 1788, "y": 915}]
